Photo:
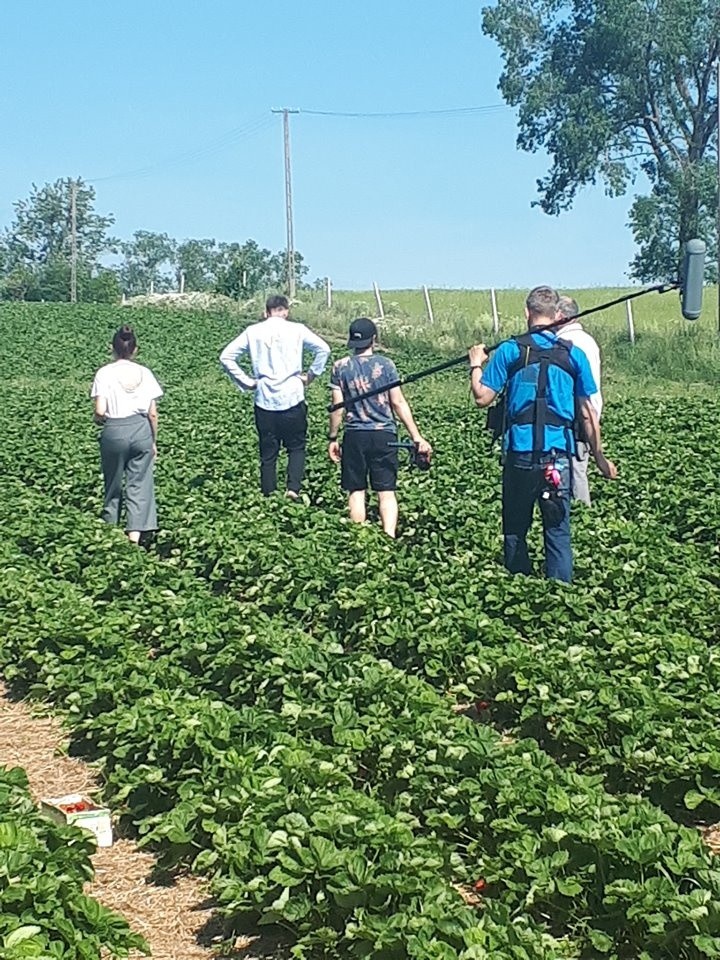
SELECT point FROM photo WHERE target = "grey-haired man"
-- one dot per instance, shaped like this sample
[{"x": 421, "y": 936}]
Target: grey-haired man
[{"x": 579, "y": 337}]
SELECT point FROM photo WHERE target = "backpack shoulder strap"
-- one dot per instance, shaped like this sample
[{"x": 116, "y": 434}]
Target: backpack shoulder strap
[
  {"x": 562, "y": 356},
  {"x": 537, "y": 412},
  {"x": 525, "y": 345}
]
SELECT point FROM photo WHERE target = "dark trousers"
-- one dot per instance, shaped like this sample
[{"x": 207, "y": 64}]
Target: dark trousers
[
  {"x": 276, "y": 428},
  {"x": 523, "y": 486}
]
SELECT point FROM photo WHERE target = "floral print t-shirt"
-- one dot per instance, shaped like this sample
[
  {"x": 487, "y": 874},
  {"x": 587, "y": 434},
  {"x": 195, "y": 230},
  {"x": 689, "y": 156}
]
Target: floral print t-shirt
[{"x": 358, "y": 374}]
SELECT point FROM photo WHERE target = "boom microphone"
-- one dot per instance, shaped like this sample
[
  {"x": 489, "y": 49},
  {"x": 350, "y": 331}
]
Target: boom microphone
[
  {"x": 691, "y": 289},
  {"x": 691, "y": 279}
]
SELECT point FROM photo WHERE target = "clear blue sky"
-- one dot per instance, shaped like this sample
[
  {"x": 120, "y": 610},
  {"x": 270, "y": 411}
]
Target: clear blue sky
[{"x": 96, "y": 89}]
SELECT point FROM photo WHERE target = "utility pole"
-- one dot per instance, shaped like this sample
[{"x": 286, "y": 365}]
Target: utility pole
[
  {"x": 73, "y": 241},
  {"x": 288, "y": 201}
]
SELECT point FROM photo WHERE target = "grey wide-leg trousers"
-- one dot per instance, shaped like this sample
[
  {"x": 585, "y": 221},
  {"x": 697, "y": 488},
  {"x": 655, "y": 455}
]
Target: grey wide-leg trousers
[
  {"x": 126, "y": 454},
  {"x": 580, "y": 482}
]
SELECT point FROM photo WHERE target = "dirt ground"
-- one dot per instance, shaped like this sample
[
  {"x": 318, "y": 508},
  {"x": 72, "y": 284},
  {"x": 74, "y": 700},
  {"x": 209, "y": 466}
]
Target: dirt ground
[{"x": 174, "y": 919}]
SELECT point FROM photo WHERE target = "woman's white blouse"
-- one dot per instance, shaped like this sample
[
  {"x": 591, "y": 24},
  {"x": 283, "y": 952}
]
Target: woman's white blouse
[{"x": 127, "y": 387}]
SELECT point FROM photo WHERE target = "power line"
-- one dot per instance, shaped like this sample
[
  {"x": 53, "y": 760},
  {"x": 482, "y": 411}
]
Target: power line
[
  {"x": 262, "y": 122},
  {"x": 228, "y": 139},
  {"x": 411, "y": 114}
]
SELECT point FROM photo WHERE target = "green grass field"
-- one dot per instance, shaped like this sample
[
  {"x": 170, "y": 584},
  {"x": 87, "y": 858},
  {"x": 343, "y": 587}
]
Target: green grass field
[
  {"x": 471, "y": 310},
  {"x": 670, "y": 355}
]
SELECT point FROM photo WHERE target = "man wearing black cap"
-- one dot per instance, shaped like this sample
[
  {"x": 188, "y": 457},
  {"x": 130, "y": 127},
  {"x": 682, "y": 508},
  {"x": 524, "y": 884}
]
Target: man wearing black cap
[{"x": 369, "y": 425}]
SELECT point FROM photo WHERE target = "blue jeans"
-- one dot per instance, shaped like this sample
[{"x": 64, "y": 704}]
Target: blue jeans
[{"x": 523, "y": 485}]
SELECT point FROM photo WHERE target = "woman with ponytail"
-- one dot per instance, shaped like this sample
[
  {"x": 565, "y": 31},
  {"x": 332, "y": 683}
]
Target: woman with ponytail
[{"x": 125, "y": 393}]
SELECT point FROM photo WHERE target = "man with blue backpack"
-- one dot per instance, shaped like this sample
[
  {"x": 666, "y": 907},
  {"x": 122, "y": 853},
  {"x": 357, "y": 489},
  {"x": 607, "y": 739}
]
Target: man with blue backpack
[{"x": 548, "y": 385}]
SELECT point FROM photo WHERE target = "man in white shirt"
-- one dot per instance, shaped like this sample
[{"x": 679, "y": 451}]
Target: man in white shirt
[
  {"x": 275, "y": 348},
  {"x": 579, "y": 337}
]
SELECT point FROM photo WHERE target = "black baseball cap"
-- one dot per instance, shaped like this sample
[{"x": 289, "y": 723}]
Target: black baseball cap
[{"x": 362, "y": 332}]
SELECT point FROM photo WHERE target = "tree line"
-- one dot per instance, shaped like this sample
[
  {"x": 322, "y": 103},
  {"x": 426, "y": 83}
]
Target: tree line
[{"x": 57, "y": 231}]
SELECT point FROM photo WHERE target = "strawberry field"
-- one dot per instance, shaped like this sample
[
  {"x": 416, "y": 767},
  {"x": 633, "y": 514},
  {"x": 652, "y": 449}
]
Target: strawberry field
[
  {"x": 43, "y": 866},
  {"x": 388, "y": 750}
]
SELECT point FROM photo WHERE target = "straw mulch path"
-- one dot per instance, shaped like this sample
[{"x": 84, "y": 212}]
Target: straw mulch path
[
  {"x": 711, "y": 836},
  {"x": 171, "y": 918}
]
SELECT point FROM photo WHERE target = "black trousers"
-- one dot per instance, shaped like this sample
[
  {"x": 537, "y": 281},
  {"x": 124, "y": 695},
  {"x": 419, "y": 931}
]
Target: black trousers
[{"x": 276, "y": 428}]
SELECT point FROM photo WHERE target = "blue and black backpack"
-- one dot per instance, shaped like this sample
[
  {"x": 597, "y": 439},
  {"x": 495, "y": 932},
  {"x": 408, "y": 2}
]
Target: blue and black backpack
[{"x": 537, "y": 412}]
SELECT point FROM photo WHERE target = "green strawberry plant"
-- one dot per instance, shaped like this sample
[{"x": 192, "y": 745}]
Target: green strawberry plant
[
  {"x": 43, "y": 867},
  {"x": 386, "y": 749}
]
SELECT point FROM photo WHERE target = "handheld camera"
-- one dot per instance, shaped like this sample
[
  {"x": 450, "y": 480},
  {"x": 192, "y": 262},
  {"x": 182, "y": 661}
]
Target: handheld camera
[{"x": 416, "y": 459}]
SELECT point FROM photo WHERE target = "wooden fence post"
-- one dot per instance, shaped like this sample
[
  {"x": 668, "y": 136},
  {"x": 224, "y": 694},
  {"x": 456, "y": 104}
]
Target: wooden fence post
[
  {"x": 428, "y": 305},
  {"x": 378, "y": 300},
  {"x": 630, "y": 322},
  {"x": 496, "y": 319}
]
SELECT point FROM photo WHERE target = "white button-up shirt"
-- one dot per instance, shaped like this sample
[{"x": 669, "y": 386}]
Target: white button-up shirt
[{"x": 275, "y": 347}]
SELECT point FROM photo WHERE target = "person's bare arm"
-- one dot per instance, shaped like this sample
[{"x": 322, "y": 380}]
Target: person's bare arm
[
  {"x": 336, "y": 418},
  {"x": 592, "y": 431},
  {"x": 477, "y": 356},
  {"x": 153, "y": 418},
  {"x": 401, "y": 409},
  {"x": 100, "y": 410}
]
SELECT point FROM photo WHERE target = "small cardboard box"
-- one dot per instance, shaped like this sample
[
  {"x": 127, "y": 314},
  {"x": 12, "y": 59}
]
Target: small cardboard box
[{"x": 80, "y": 811}]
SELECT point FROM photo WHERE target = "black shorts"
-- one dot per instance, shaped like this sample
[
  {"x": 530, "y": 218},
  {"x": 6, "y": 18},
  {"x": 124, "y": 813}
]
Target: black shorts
[{"x": 368, "y": 452}]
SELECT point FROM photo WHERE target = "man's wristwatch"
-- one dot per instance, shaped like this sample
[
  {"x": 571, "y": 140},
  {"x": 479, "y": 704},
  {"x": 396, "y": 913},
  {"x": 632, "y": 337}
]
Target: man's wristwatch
[{"x": 332, "y": 439}]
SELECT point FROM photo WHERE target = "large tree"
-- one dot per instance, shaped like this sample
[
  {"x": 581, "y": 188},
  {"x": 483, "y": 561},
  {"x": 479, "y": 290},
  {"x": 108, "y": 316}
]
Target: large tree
[
  {"x": 611, "y": 88},
  {"x": 198, "y": 261},
  {"x": 149, "y": 263},
  {"x": 36, "y": 248},
  {"x": 247, "y": 269}
]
